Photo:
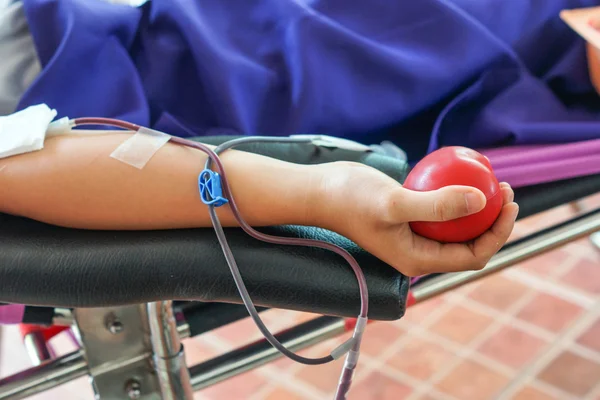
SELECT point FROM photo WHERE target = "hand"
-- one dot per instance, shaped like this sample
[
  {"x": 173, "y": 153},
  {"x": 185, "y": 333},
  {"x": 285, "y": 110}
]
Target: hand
[{"x": 373, "y": 210}]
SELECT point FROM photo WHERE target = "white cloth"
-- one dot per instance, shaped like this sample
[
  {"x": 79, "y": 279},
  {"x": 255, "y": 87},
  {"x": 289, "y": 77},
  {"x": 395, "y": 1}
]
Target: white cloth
[
  {"x": 19, "y": 64},
  {"x": 25, "y": 131}
]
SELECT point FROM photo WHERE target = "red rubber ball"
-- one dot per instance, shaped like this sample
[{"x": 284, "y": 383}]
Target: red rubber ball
[{"x": 450, "y": 166}]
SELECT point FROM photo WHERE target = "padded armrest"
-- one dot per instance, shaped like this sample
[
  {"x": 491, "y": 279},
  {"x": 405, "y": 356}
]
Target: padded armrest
[
  {"x": 538, "y": 198},
  {"x": 46, "y": 265}
]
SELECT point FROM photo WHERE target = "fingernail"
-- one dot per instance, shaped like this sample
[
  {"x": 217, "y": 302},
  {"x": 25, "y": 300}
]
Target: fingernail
[
  {"x": 515, "y": 211},
  {"x": 474, "y": 202},
  {"x": 511, "y": 197}
]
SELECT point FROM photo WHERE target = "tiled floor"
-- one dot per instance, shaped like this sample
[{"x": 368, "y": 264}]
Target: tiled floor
[{"x": 529, "y": 333}]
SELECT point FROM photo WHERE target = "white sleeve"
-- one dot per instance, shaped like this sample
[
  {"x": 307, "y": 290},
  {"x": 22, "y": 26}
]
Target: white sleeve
[{"x": 20, "y": 64}]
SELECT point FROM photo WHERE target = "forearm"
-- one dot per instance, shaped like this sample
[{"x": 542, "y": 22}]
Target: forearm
[{"x": 73, "y": 182}]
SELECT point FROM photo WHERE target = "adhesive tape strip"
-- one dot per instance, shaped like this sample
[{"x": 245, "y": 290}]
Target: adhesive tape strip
[{"x": 139, "y": 149}]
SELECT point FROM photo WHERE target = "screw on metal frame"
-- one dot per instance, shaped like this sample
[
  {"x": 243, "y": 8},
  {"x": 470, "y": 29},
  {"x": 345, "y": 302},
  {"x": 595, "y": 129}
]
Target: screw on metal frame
[
  {"x": 133, "y": 389},
  {"x": 113, "y": 324}
]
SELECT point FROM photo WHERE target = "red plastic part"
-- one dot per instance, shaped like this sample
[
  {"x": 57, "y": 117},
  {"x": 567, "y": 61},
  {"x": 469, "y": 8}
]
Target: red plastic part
[
  {"x": 410, "y": 301},
  {"x": 47, "y": 332},
  {"x": 350, "y": 324},
  {"x": 456, "y": 165}
]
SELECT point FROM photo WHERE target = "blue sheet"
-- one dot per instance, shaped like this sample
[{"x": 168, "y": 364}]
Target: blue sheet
[{"x": 426, "y": 73}]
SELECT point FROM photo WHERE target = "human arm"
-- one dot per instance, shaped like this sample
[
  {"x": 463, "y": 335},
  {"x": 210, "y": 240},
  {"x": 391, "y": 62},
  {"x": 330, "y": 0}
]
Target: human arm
[{"x": 73, "y": 182}]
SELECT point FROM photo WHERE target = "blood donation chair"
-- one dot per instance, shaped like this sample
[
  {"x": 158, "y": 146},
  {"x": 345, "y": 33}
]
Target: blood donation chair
[{"x": 130, "y": 297}]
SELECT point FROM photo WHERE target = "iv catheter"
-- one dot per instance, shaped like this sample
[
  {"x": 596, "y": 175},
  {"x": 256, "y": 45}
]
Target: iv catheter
[{"x": 215, "y": 192}]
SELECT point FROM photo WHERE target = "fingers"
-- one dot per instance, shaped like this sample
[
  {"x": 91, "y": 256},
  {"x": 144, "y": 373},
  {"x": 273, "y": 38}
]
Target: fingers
[
  {"x": 491, "y": 241},
  {"x": 429, "y": 256},
  {"x": 444, "y": 204},
  {"x": 508, "y": 195}
]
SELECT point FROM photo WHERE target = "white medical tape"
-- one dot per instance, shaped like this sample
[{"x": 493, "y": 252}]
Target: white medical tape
[{"x": 139, "y": 149}]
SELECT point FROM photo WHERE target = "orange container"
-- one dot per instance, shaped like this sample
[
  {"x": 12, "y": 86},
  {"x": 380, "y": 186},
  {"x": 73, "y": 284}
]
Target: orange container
[{"x": 586, "y": 22}]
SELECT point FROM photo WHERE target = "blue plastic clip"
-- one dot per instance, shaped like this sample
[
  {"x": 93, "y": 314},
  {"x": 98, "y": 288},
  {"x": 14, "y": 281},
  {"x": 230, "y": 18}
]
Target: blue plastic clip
[{"x": 211, "y": 192}]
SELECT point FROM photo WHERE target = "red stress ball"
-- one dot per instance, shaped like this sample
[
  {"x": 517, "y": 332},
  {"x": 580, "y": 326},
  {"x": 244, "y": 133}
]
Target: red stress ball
[{"x": 456, "y": 166}]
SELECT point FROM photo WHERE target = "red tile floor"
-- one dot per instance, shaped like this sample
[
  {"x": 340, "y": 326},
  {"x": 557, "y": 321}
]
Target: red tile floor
[{"x": 529, "y": 333}]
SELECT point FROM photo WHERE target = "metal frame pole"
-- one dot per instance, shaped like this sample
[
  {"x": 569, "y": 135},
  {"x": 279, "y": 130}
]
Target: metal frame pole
[
  {"x": 168, "y": 355},
  {"x": 43, "y": 377}
]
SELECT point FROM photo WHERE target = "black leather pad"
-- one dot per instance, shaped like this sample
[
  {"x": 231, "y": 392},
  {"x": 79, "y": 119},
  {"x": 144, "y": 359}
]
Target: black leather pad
[
  {"x": 46, "y": 265},
  {"x": 538, "y": 198}
]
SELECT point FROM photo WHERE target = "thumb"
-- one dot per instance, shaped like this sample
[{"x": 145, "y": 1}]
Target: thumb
[{"x": 443, "y": 204}]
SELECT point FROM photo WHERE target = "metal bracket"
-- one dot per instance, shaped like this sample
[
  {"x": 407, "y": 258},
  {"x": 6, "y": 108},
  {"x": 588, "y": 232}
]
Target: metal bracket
[
  {"x": 116, "y": 346},
  {"x": 134, "y": 352}
]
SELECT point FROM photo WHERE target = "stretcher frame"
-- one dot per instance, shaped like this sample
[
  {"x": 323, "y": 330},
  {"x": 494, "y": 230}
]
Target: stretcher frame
[{"x": 150, "y": 334}]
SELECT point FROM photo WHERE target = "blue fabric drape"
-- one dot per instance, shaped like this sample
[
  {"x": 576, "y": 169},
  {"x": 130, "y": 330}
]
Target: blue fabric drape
[{"x": 421, "y": 73}]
